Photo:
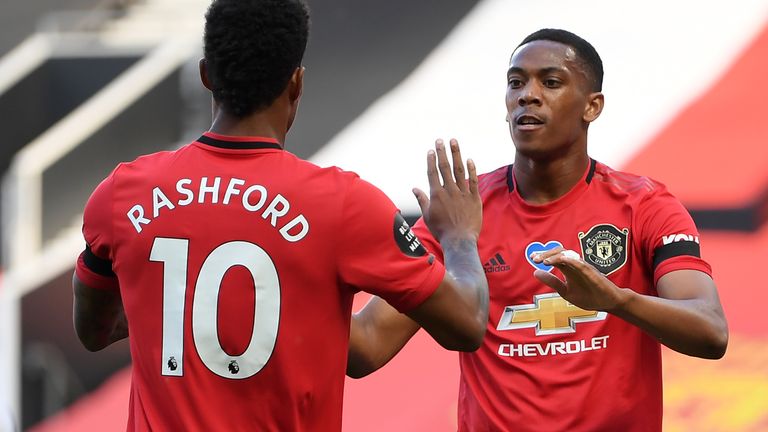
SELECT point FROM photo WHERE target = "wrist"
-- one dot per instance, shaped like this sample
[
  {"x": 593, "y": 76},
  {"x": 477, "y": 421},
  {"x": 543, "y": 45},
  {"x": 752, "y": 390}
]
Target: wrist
[
  {"x": 452, "y": 240},
  {"x": 623, "y": 298}
]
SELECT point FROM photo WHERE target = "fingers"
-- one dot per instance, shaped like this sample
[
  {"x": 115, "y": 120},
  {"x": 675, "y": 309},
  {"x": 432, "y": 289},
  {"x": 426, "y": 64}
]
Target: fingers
[
  {"x": 473, "y": 189},
  {"x": 422, "y": 199},
  {"x": 432, "y": 175},
  {"x": 449, "y": 174},
  {"x": 550, "y": 280},
  {"x": 458, "y": 165},
  {"x": 539, "y": 257},
  {"x": 571, "y": 264},
  {"x": 443, "y": 165},
  {"x": 565, "y": 257}
]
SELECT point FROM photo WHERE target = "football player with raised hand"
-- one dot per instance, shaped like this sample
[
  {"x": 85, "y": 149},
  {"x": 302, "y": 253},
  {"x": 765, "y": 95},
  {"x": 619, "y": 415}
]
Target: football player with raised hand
[{"x": 230, "y": 264}]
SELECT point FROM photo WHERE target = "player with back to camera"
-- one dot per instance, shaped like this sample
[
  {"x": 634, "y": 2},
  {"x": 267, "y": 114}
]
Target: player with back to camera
[
  {"x": 575, "y": 346},
  {"x": 232, "y": 263}
]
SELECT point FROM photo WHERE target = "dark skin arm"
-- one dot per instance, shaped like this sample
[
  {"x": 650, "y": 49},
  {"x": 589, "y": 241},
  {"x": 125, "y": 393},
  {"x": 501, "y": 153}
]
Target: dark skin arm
[
  {"x": 686, "y": 316},
  {"x": 98, "y": 316},
  {"x": 377, "y": 333},
  {"x": 687, "y": 300},
  {"x": 456, "y": 314}
]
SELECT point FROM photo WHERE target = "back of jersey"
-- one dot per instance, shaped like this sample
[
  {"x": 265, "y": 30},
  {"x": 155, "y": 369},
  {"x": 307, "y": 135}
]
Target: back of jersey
[{"x": 226, "y": 254}]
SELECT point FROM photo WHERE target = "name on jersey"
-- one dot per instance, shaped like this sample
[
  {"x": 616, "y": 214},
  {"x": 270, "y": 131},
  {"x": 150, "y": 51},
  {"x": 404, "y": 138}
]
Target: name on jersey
[
  {"x": 252, "y": 198},
  {"x": 553, "y": 348}
]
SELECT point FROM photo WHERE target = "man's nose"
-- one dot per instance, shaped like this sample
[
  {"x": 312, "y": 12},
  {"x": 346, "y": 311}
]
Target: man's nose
[{"x": 529, "y": 95}]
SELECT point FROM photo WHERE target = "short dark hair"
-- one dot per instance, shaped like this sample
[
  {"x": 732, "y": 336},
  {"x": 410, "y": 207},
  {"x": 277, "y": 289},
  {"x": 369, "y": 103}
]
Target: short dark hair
[
  {"x": 584, "y": 50},
  {"x": 252, "y": 48}
]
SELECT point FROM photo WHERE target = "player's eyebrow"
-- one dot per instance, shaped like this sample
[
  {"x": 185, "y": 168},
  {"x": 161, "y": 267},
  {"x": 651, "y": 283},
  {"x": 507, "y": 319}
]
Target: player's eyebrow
[
  {"x": 543, "y": 71},
  {"x": 515, "y": 70}
]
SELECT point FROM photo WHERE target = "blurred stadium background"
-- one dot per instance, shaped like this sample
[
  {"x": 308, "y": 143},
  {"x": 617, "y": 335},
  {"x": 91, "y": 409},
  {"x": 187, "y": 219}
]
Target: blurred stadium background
[{"x": 85, "y": 84}]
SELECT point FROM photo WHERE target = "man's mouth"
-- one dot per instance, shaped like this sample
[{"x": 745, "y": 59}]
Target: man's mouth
[{"x": 528, "y": 120}]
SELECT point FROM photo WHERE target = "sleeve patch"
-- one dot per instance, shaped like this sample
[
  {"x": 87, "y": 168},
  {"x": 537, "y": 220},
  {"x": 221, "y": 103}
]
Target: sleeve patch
[
  {"x": 406, "y": 240},
  {"x": 97, "y": 265},
  {"x": 675, "y": 249}
]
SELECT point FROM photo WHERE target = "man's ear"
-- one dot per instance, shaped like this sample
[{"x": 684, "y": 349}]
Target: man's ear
[
  {"x": 594, "y": 107},
  {"x": 296, "y": 85},
  {"x": 203, "y": 65},
  {"x": 294, "y": 90}
]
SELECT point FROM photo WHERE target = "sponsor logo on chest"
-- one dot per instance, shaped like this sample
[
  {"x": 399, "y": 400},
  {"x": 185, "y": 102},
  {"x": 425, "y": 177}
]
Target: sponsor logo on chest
[{"x": 549, "y": 314}]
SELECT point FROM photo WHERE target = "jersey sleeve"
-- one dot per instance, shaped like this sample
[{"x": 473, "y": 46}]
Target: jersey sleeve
[
  {"x": 94, "y": 265},
  {"x": 380, "y": 254},
  {"x": 669, "y": 236},
  {"x": 427, "y": 240}
]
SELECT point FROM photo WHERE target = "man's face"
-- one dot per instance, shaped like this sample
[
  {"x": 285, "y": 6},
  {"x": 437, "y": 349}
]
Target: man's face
[{"x": 547, "y": 98}]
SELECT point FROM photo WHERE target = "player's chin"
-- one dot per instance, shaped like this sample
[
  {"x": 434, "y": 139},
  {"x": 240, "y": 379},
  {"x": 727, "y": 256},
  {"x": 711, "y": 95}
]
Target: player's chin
[{"x": 533, "y": 149}]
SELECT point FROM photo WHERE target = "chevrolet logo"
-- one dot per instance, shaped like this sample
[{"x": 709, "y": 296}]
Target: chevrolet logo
[{"x": 549, "y": 314}]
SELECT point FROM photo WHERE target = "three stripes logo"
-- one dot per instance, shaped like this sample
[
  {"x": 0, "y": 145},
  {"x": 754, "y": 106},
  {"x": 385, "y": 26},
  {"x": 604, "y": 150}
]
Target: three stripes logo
[{"x": 496, "y": 264}]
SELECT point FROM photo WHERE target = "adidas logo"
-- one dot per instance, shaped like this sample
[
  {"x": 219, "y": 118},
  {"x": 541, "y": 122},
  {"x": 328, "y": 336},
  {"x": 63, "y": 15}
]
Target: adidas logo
[{"x": 496, "y": 264}]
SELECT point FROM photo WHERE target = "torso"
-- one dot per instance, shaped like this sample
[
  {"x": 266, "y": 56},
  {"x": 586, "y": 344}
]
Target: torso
[{"x": 546, "y": 365}]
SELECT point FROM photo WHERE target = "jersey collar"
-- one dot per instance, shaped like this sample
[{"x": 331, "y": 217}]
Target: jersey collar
[
  {"x": 238, "y": 142},
  {"x": 564, "y": 201}
]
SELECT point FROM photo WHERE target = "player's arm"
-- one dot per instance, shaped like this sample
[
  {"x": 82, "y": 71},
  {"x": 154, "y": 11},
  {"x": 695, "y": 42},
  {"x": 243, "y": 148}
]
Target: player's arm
[
  {"x": 377, "y": 333},
  {"x": 456, "y": 314},
  {"x": 98, "y": 315},
  {"x": 686, "y": 316}
]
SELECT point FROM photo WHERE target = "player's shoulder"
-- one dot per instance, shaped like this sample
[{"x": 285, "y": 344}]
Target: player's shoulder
[
  {"x": 494, "y": 180},
  {"x": 623, "y": 182},
  {"x": 149, "y": 162},
  {"x": 335, "y": 173},
  {"x": 337, "y": 181}
]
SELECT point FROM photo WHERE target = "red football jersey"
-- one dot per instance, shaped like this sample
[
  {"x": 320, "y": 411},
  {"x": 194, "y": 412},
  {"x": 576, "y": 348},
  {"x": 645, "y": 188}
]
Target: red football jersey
[
  {"x": 546, "y": 365},
  {"x": 237, "y": 263}
]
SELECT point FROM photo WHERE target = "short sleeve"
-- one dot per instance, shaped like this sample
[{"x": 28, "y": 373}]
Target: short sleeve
[
  {"x": 669, "y": 236},
  {"x": 378, "y": 253},
  {"x": 94, "y": 265},
  {"x": 427, "y": 239}
]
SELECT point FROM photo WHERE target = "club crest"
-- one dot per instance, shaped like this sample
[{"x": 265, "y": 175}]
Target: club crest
[{"x": 605, "y": 247}]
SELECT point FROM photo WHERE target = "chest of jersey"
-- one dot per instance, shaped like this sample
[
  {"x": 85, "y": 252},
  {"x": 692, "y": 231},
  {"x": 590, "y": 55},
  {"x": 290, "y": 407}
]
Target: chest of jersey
[{"x": 522, "y": 308}]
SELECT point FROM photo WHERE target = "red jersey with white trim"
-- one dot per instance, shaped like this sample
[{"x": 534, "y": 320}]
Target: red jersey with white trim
[
  {"x": 546, "y": 365},
  {"x": 237, "y": 263}
]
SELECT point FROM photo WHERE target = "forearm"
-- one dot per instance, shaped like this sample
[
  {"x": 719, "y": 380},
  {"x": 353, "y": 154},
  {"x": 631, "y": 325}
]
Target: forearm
[
  {"x": 377, "y": 333},
  {"x": 97, "y": 331},
  {"x": 695, "y": 327},
  {"x": 457, "y": 317},
  {"x": 98, "y": 316},
  {"x": 462, "y": 262}
]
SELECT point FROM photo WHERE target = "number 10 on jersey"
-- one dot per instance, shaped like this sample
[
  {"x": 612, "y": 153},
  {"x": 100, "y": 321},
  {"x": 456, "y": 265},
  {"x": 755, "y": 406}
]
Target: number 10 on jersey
[{"x": 174, "y": 253}]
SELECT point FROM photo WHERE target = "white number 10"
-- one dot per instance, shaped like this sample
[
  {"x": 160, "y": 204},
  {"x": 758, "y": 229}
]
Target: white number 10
[{"x": 173, "y": 253}]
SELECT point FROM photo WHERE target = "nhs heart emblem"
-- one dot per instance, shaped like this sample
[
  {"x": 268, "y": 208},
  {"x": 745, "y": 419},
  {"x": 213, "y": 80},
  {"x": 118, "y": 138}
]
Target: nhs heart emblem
[{"x": 538, "y": 247}]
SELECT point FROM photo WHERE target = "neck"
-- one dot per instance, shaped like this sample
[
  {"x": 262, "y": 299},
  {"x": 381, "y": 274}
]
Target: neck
[
  {"x": 260, "y": 124},
  {"x": 542, "y": 181}
]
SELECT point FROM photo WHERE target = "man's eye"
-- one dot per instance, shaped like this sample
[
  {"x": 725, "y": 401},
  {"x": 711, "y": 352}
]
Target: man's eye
[
  {"x": 552, "y": 83},
  {"x": 516, "y": 83}
]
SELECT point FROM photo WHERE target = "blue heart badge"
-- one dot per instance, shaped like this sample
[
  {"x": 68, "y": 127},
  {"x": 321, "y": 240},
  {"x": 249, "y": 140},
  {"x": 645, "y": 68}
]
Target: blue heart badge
[{"x": 540, "y": 247}]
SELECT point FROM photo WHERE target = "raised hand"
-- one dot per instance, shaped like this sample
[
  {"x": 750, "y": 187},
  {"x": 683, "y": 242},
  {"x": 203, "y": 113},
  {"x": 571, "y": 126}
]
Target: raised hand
[
  {"x": 453, "y": 209},
  {"x": 584, "y": 286}
]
